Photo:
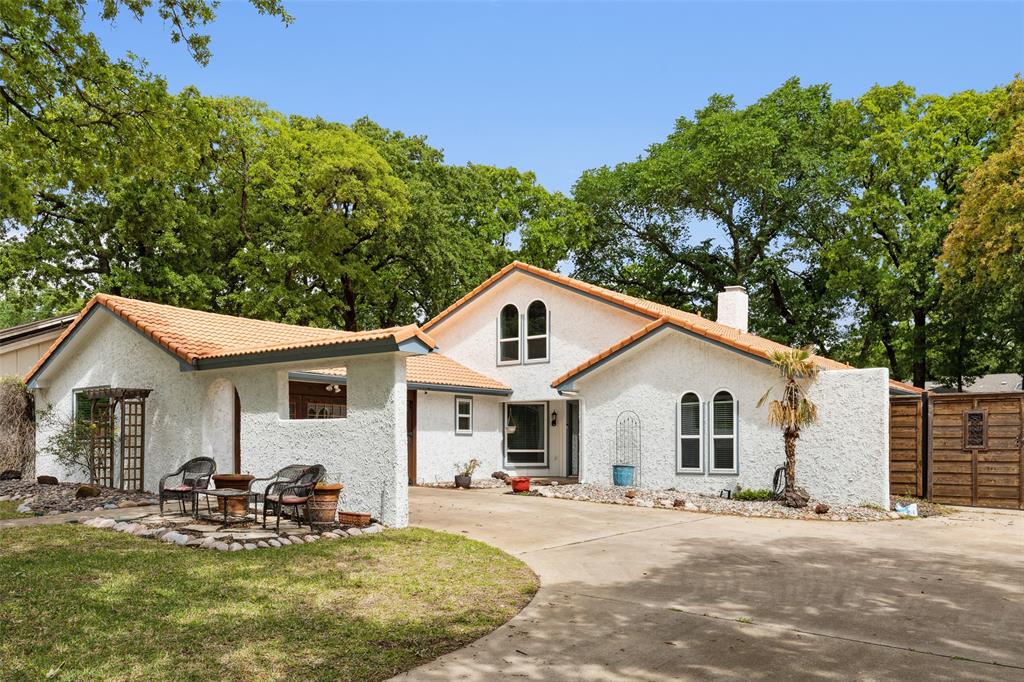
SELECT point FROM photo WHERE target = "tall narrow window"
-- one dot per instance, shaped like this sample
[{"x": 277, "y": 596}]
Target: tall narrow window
[
  {"x": 690, "y": 436},
  {"x": 463, "y": 415},
  {"x": 508, "y": 335},
  {"x": 723, "y": 437},
  {"x": 537, "y": 332}
]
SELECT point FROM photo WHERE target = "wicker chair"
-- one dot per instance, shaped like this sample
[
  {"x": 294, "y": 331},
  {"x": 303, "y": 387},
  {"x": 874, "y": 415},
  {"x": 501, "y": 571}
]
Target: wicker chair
[
  {"x": 195, "y": 475},
  {"x": 291, "y": 487}
]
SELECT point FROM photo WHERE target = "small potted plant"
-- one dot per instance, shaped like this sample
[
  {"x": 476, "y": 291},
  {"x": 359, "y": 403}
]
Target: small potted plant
[{"x": 464, "y": 477}]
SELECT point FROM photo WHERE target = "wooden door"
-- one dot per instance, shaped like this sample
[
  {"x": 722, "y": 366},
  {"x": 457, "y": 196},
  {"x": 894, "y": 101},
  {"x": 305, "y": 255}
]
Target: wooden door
[
  {"x": 410, "y": 427},
  {"x": 976, "y": 450},
  {"x": 906, "y": 439}
]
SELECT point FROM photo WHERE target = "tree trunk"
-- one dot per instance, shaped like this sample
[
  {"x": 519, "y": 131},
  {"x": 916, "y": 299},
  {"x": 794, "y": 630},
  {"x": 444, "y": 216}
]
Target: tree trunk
[
  {"x": 920, "y": 347},
  {"x": 793, "y": 497}
]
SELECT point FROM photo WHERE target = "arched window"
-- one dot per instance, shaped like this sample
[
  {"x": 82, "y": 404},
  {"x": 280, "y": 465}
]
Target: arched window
[
  {"x": 508, "y": 335},
  {"x": 537, "y": 332},
  {"x": 723, "y": 435},
  {"x": 691, "y": 441}
]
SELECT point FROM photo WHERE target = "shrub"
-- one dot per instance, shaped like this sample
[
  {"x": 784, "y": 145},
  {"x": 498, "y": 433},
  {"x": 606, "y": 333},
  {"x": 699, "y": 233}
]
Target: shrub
[
  {"x": 752, "y": 495},
  {"x": 17, "y": 430}
]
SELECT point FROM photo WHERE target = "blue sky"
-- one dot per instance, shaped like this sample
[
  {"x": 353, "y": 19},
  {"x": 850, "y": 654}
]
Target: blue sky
[{"x": 561, "y": 87}]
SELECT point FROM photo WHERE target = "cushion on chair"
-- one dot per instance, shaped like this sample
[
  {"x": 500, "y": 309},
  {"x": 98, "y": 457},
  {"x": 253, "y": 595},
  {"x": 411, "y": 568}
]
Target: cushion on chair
[
  {"x": 287, "y": 499},
  {"x": 178, "y": 488}
]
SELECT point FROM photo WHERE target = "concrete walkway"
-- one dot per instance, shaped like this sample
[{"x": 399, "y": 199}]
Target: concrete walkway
[{"x": 652, "y": 594}]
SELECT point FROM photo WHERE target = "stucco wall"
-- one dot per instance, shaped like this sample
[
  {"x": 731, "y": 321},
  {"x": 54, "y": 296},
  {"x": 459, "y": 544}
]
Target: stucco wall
[
  {"x": 842, "y": 459},
  {"x": 191, "y": 414},
  {"x": 439, "y": 450},
  {"x": 580, "y": 328}
]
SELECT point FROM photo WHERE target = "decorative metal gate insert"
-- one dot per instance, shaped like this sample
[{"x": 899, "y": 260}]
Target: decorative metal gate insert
[{"x": 628, "y": 443}]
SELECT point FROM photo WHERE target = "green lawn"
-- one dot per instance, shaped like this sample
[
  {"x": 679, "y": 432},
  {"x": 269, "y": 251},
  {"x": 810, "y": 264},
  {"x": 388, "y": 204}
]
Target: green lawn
[
  {"x": 80, "y": 603},
  {"x": 7, "y": 510}
]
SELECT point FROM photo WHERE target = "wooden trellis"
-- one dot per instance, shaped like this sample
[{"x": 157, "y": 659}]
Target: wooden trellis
[{"x": 105, "y": 404}]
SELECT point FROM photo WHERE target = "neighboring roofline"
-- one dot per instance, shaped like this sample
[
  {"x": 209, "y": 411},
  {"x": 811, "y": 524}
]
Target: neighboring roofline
[
  {"x": 540, "y": 273},
  {"x": 413, "y": 385},
  {"x": 408, "y": 339},
  {"x": 566, "y": 382},
  {"x": 38, "y": 328}
]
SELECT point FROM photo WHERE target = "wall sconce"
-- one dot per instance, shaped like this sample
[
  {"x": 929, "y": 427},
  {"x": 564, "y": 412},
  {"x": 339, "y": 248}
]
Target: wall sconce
[
  {"x": 554, "y": 418},
  {"x": 333, "y": 388}
]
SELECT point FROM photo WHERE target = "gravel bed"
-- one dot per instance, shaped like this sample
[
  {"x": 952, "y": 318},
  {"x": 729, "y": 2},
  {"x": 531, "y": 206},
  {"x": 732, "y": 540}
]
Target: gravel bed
[
  {"x": 41, "y": 499},
  {"x": 696, "y": 502}
]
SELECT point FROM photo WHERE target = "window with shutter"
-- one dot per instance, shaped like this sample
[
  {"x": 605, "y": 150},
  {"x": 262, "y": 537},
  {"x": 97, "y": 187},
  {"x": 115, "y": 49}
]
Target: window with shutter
[
  {"x": 723, "y": 433},
  {"x": 691, "y": 441}
]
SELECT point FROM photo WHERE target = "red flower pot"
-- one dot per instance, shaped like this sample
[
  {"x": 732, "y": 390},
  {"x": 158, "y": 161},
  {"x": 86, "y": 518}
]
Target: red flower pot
[{"x": 520, "y": 484}]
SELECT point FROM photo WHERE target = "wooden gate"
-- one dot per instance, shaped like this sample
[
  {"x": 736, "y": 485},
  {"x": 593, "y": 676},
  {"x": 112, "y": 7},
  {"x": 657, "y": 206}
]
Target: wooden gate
[
  {"x": 975, "y": 449},
  {"x": 906, "y": 446}
]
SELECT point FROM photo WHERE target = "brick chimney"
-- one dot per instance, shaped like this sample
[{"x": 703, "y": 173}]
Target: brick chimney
[{"x": 733, "y": 305}]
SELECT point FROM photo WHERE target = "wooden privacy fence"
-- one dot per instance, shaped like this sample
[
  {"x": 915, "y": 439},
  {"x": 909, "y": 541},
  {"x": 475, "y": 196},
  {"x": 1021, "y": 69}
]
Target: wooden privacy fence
[{"x": 960, "y": 448}]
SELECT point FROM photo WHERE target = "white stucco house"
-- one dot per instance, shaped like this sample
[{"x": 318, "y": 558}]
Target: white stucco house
[{"x": 531, "y": 372}]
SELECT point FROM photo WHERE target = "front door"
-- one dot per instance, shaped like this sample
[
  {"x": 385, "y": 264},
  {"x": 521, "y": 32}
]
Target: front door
[
  {"x": 572, "y": 438},
  {"x": 410, "y": 427}
]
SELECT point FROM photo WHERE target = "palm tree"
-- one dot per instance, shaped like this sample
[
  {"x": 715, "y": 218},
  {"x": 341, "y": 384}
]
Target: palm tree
[{"x": 793, "y": 411}]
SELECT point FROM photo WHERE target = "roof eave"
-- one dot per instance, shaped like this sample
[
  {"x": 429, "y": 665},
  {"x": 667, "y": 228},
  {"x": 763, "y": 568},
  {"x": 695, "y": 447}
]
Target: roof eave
[{"x": 413, "y": 345}]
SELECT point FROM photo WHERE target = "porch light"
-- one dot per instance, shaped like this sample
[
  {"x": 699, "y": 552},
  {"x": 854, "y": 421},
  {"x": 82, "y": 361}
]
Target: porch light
[{"x": 554, "y": 418}]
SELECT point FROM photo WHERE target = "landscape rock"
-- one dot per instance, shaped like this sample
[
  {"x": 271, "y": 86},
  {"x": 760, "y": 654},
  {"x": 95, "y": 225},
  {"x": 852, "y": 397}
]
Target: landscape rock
[
  {"x": 24, "y": 508},
  {"x": 87, "y": 490},
  {"x": 274, "y": 543},
  {"x": 821, "y": 508},
  {"x": 221, "y": 546},
  {"x": 10, "y": 475},
  {"x": 375, "y": 528},
  {"x": 296, "y": 540},
  {"x": 249, "y": 545},
  {"x": 354, "y": 531},
  {"x": 47, "y": 480},
  {"x": 235, "y": 547},
  {"x": 262, "y": 544}
]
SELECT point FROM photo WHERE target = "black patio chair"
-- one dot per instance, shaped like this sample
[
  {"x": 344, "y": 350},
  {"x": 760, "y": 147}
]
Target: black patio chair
[
  {"x": 195, "y": 475},
  {"x": 294, "y": 493}
]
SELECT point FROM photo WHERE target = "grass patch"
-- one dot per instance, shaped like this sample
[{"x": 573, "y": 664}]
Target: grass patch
[
  {"x": 8, "y": 510},
  {"x": 82, "y": 603}
]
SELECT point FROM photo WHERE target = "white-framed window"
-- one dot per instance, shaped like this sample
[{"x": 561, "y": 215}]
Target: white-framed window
[
  {"x": 509, "y": 335},
  {"x": 526, "y": 432},
  {"x": 723, "y": 434},
  {"x": 537, "y": 332},
  {"x": 463, "y": 415},
  {"x": 691, "y": 434}
]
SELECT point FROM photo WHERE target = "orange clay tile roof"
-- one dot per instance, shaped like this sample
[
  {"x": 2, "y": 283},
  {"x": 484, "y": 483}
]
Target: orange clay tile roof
[
  {"x": 750, "y": 343},
  {"x": 435, "y": 369},
  {"x": 196, "y": 335}
]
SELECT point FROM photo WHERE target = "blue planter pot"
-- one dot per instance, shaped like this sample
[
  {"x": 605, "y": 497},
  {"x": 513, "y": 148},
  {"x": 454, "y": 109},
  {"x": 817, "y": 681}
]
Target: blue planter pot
[{"x": 622, "y": 474}]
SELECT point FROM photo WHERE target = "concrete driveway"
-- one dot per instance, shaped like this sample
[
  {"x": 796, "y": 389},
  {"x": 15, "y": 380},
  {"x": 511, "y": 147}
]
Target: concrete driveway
[{"x": 651, "y": 594}]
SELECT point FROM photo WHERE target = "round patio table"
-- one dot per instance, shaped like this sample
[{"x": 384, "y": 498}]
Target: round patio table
[{"x": 225, "y": 496}]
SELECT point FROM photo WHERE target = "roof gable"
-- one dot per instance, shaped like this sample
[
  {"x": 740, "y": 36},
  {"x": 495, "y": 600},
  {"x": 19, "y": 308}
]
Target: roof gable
[{"x": 202, "y": 339}]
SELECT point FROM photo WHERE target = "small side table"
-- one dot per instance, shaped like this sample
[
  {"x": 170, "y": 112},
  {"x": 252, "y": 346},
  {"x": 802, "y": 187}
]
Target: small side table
[{"x": 225, "y": 495}]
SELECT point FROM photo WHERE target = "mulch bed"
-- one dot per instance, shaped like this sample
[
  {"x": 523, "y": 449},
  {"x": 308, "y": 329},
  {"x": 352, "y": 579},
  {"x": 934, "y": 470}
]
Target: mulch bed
[
  {"x": 696, "y": 502},
  {"x": 59, "y": 499}
]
